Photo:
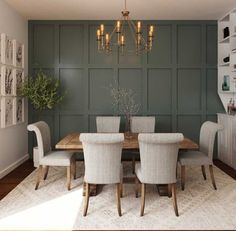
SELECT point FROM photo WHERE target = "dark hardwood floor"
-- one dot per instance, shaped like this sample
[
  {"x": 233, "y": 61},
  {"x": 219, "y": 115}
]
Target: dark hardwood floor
[{"x": 10, "y": 181}]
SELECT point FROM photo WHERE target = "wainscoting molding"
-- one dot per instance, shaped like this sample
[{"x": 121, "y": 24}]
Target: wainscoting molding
[{"x": 176, "y": 82}]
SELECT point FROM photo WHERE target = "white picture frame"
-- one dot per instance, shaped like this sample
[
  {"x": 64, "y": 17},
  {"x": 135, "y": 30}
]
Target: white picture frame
[
  {"x": 18, "y": 54},
  {"x": 7, "y": 81},
  {"x": 19, "y": 109},
  {"x": 6, "y": 49},
  {"x": 18, "y": 80},
  {"x": 7, "y": 112}
]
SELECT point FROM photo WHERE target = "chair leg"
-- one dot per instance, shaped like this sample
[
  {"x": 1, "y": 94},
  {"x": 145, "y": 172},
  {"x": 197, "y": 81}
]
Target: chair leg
[
  {"x": 73, "y": 166},
  {"x": 86, "y": 202},
  {"x": 169, "y": 190},
  {"x": 182, "y": 176},
  {"x": 143, "y": 192},
  {"x": 118, "y": 186},
  {"x": 68, "y": 177},
  {"x": 40, "y": 170},
  {"x": 203, "y": 172},
  {"x": 121, "y": 188},
  {"x": 136, "y": 186},
  {"x": 133, "y": 163},
  {"x": 46, "y": 172},
  {"x": 175, "y": 199},
  {"x": 212, "y": 177}
]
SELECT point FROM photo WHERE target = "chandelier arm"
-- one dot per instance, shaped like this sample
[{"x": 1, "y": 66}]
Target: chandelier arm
[{"x": 132, "y": 29}]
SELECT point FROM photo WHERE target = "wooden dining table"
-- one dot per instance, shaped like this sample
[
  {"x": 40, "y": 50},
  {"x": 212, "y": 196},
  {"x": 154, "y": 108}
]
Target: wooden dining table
[{"x": 71, "y": 142}]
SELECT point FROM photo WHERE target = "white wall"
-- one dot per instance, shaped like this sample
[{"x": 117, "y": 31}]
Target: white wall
[{"x": 13, "y": 140}]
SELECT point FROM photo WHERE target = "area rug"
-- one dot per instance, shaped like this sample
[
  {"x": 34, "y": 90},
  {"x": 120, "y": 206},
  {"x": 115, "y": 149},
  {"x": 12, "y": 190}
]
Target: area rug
[{"x": 53, "y": 207}]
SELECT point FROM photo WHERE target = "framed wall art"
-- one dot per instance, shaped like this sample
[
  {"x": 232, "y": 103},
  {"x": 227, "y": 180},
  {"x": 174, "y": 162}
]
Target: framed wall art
[
  {"x": 18, "y": 54},
  {"x": 19, "y": 110},
  {"x": 7, "y": 81},
  {"x": 7, "y": 111},
  {"x": 6, "y": 49},
  {"x": 18, "y": 80}
]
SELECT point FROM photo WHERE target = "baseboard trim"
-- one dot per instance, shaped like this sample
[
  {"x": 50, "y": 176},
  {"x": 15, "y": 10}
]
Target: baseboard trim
[{"x": 14, "y": 165}]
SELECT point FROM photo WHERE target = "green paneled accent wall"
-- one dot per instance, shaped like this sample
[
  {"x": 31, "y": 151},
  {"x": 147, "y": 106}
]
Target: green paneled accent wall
[{"x": 176, "y": 82}]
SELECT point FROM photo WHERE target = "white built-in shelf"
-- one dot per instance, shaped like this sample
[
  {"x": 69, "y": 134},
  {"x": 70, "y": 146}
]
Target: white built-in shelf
[
  {"x": 225, "y": 40},
  {"x": 227, "y": 92},
  {"x": 224, "y": 64},
  {"x": 225, "y": 48}
]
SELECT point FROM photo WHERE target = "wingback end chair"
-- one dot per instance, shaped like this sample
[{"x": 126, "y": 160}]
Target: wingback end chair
[
  {"x": 203, "y": 157},
  {"x": 47, "y": 157}
]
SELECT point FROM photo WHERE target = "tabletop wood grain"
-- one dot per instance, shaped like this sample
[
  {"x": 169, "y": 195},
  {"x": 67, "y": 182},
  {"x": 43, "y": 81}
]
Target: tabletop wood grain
[{"x": 72, "y": 142}]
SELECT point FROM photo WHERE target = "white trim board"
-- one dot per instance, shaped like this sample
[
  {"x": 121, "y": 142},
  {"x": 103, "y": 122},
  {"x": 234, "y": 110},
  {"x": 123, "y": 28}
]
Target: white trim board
[{"x": 14, "y": 165}]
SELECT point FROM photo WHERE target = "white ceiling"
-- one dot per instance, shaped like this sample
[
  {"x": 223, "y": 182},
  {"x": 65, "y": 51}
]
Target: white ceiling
[{"x": 110, "y": 9}]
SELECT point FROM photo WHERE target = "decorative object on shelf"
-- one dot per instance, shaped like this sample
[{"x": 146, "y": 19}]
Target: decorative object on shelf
[
  {"x": 226, "y": 32},
  {"x": 7, "y": 81},
  {"x": 6, "y": 49},
  {"x": 226, "y": 59},
  {"x": 124, "y": 102},
  {"x": 226, "y": 84},
  {"x": 231, "y": 107},
  {"x": 18, "y": 52},
  {"x": 42, "y": 91},
  {"x": 105, "y": 40}
]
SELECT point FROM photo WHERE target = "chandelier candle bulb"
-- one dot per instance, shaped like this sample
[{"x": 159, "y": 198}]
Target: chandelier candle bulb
[
  {"x": 102, "y": 29},
  {"x": 122, "y": 40},
  {"x": 151, "y": 29},
  {"x": 98, "y": 34},
  {"x": 107, "y": 38},
  {"x": 139, "y": 27},
  {"x": 118, "y": 27}
]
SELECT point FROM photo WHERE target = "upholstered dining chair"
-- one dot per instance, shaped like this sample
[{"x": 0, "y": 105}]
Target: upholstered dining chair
[
  {"x": 158, "y": 159},
  {"x": 203, "y": 157},
  {"x": 47, "y": 157},
  {"x": 108, "y": 124},
  {"x": 102, "y": 156},
  {"x": 141, "y": 124}
]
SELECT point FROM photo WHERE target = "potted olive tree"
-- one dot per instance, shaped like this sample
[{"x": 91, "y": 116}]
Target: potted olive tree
[{"x": 42, "y": 91}]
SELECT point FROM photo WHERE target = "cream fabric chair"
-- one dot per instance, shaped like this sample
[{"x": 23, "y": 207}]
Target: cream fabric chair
[
  {"x": 205, "y": 154},
  {"x": 102, "y": 156},
  {"x": 158, "y": 159},
  {"x": 47, "y": 157},
  {"x": 141, "y": 124},
  {"x": 109, "y": 124}
]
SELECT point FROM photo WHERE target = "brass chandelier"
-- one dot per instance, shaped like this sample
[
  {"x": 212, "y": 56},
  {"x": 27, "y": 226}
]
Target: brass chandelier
[{"x": 107, "y": 41}]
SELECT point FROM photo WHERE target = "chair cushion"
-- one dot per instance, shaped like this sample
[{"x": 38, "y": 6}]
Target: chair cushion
[
  {"x": 57, "y": 158},
  {"x": 193, "y": 158}
]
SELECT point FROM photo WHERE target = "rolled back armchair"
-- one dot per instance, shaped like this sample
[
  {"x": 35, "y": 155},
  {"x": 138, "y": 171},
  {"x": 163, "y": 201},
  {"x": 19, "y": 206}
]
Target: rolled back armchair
[
  {"x": 108, "y": 124},
  {"x": 43, "y": 136},
  {"x": 207, "y": 137},
  {"x": 102, "y": 156},
  {"x": 158, "y": 157}
]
